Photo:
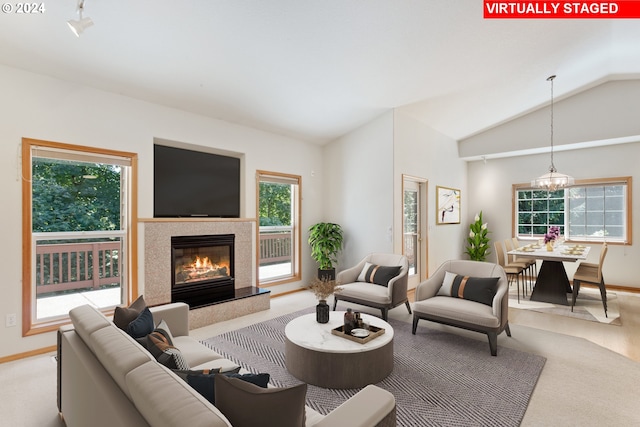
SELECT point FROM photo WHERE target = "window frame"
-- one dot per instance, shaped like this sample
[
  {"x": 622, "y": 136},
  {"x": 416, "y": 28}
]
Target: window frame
[
  {"x": 626, "y": 180},
  {"x": 30, "y": 325},
  {"x": 296, "y": 218}
]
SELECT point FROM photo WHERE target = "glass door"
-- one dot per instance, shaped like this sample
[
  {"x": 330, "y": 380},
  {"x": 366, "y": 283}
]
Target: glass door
[{"x": 412, "y": 240}]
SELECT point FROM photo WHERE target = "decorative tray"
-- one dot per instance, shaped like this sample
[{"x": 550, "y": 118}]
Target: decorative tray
[{"x": 374, "y": 332}]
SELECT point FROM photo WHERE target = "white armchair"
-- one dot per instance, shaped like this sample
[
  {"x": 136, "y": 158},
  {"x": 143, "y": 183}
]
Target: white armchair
[
  {"x": 490, "y": 317},
  {"x": 390, "y": 290}
]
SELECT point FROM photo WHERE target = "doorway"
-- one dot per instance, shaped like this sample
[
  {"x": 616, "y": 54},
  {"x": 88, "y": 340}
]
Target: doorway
[{"x": 414, "y": 221}]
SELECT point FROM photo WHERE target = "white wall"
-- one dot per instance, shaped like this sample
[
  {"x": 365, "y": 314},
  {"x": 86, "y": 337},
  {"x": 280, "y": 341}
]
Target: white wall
[
  {"x": 358, "y": 179},
  {"x": 364, "y": 186},
  {"x": 491, "y": 191},
  {"x": 423, "y": 152},
  {"x": 40, "y": 107},
  {"x": 603, "y": 112}
]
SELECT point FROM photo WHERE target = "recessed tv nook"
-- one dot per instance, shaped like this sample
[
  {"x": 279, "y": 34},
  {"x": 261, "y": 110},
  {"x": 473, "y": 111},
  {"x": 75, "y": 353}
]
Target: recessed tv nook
[{"x": 188, "y": 183}]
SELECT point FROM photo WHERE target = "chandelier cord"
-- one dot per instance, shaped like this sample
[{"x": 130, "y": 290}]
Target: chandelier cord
[{"x": 553, "y": 167}]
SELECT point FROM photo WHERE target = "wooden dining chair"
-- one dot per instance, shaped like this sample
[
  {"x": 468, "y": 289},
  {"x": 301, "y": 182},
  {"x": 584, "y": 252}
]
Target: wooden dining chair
[
  {"x": 531, "y": 264},
  {"x": 591, "y": 273},
  {"x": 513, "y": 271}
]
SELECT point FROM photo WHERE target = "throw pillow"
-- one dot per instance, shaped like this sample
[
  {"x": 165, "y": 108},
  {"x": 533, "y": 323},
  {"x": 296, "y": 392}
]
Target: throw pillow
[
  {"x": 164, "y": 329},
  {"x": 445, "y": 288},
  {"x": 142, "y": 325},
  {"x": 204, "y": 382},
  {"x": 122, "y": 316},
  {"x": 265, "y": 403},
  {"x": 478, "y": 289},
  {"x": 160, "y": 345},
  {"x": 378, "y": 274},
  {"x": 185, "y": 373}
]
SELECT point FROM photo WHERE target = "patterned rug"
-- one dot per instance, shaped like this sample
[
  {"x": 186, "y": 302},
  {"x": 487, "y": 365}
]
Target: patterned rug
[
  {"x": 439, "y": 379},
  {"x": 588, "y": 306}
]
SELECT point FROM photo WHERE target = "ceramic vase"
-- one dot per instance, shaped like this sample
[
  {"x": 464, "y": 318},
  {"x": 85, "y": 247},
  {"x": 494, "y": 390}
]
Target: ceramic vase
[
  {"x": 322, "y": 312},
  {"x": 550, "y": 246}
]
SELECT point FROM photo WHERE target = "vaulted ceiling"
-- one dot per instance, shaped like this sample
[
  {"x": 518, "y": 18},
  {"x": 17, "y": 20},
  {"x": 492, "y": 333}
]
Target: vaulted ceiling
[{"x": 317, "y": 69}]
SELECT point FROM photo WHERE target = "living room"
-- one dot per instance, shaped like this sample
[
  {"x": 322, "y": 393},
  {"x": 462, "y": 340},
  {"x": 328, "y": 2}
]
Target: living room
[{"x": 358, "y": 172}]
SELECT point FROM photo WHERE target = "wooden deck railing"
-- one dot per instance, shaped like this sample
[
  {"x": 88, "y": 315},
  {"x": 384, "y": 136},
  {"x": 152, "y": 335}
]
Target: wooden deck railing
[
  {"x": 410, "y": 245},
  {"x": 68, "y": 266},
  {"x": 275, "y": 245}
]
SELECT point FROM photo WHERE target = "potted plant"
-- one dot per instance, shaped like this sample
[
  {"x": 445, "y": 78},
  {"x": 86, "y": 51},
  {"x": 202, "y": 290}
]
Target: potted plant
[
  {"x": 323, "y": 288},
  {"x": 325, "y": 239},
  {"x": 478, "y": 242}
]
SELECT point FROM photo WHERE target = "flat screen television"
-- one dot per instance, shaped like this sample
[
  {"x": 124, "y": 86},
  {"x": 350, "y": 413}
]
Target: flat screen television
[{"x": 189, "y": 183}]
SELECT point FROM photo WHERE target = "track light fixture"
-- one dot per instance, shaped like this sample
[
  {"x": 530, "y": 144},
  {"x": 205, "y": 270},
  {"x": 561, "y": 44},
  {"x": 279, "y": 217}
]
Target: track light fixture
[{"x": 78, "y": 26}]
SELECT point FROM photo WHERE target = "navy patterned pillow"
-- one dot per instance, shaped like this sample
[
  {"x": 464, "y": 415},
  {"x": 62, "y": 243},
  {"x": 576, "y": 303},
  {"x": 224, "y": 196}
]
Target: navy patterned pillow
[{"x": 142, "y": 325}]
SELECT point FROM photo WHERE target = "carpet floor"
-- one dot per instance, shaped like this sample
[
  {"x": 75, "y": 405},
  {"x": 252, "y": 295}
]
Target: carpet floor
[
  {"x": 439, "y": 379},
  {"x": 588, "y": 306}
]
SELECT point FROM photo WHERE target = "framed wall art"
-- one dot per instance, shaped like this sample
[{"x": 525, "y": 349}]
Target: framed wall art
[{"x": 448, "y": 205}]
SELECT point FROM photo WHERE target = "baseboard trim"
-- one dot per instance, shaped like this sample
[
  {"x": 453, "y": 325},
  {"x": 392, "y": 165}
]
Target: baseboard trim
[
  {"x": 293, "y": 291},
  {"x": 26, "y": 354},
  {"x": 614, "y": 288}
]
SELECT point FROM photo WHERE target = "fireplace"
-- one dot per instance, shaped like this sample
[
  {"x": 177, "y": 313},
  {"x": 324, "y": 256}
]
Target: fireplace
[{"x": 203, "y": 269}]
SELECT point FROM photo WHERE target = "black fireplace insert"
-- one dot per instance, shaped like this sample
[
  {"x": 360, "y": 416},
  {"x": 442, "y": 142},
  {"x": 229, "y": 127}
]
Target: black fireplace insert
[{"x": 203, "y": 269}]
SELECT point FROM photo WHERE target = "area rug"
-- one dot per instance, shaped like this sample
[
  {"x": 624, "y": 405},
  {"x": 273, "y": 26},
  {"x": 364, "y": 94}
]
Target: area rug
[
  {"x": 588, "y": 306},
  {"x": 438, "y": 379}
]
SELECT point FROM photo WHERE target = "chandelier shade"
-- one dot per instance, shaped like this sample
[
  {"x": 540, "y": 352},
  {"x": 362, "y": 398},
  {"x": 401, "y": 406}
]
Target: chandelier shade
[
  {"x": 78, "y": 26},
  {"x": 552, "y": 180}
]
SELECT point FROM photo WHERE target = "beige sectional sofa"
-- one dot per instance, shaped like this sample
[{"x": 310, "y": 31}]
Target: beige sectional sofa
[{"x": 105, "y": 378}]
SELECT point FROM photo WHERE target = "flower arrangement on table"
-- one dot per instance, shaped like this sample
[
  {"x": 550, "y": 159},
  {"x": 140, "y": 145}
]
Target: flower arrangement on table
[
  {"x": 552, "y": 234},
  {"x": 323, "y": 288},
  {"x": 478, "y": 241}
]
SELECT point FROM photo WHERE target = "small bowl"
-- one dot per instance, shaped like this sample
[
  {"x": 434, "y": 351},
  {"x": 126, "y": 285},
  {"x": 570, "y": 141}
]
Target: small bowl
[{"x": 360, "y": 333}]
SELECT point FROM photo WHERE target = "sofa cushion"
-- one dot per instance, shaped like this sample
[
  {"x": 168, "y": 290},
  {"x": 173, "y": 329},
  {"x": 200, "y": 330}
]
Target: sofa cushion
[
  {"x": 203, "y": 382},
  {"x": 118, "y": 353},
  {"x": 142, "y": 325},
  {"x": 478, "y": 289},
  {"x": 366, "y": 291},
  {"x": 457, "y": 310},
  {"x": 265, "y": 403},
  {"x": 122, "y": 316},
  {"x": 164, "y": 400},
  {"x": 86, "y": 320},
  {"x": 378, "y": 274}
]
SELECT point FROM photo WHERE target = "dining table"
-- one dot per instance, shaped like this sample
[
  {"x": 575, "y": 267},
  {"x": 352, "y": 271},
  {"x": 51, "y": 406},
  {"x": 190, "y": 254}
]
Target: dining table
[{"x": 552, "y": 284}]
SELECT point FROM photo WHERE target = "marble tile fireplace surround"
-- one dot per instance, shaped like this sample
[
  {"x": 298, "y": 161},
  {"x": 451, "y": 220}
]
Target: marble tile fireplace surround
[{"x": 157, "y": 273}]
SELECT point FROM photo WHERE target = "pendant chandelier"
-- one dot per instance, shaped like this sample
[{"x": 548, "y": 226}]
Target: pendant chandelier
[
  {"x": 552, "y": 180},
  {"x": 78, "y": 26}
]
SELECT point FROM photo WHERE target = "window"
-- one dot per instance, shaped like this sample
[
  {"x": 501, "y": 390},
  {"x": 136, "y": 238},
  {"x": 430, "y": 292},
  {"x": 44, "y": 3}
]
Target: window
[
  {"x": 592, "y": 210},
  {"x": 278, "y": 214},
  {"x": 77, "y": 230}
]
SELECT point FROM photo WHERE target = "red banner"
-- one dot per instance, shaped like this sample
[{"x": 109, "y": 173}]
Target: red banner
[{"x": 624, "y": 9}]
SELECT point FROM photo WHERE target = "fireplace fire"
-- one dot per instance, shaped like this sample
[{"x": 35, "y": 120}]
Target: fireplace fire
[{"x": 203, "y": 269}]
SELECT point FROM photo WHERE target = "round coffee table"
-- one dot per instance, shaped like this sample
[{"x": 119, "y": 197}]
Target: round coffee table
[{"x": 316, "y": 356}]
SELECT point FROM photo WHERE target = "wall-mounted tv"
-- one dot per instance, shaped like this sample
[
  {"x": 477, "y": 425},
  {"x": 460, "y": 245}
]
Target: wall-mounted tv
[{"x": 189, "y": 183}]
